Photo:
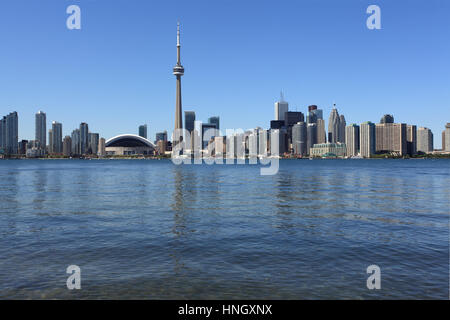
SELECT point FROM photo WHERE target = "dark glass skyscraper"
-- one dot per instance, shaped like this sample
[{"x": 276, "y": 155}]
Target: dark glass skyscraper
[
  {"x": 143, "y": 131},
  {"x": 216, "y": 121},
  {"x": 189, "y": 120}
]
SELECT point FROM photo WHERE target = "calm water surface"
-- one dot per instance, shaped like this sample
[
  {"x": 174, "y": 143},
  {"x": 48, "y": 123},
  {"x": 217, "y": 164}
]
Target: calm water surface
[{"x": 149, "y": 229}]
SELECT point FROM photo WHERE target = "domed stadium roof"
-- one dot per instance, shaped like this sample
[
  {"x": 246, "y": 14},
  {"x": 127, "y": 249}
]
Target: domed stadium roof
[{"x": 129, "y": 140}]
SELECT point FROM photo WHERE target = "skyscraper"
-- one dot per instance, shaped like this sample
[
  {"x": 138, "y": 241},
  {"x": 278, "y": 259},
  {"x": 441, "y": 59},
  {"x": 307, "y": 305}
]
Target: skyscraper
[
  {"x": 333, "y": 126},
  {"x": 41, "y": 128},
  {"x": 84, "y": 138},
  {"x": 299, "y": 138},
  {"x": 76, "y": 145},
  {"x": 424, "y": 140},
  {"x": 57, "y": 137},
  {"x": 216, "y": 121},
  {"x": 178, "y": 71},
  {"x": 411, "y": 139},
  {"x": 11, "y": 133},
  {"x": 93, "y": 142},
  {"x": 342, "y": 125},
  {"x": 391, "y": 137},
  {"x": 321, "y": 134},
  {"x": 281, "y": 107},
  {"x": 3, "y": 134},
  {"x": 67, "y": 146},
  {"x": 142, "y": 131},
  {"x": 352, "y": 140},
  {"x": 367, "y": 139},
  {"x": 101, "y": 147},
  {"x": 50, "y": 141},
  {"x": 447, "y": 138},
  {"x": 311, "y": 136},
  {"x": 189, "y": 120}
]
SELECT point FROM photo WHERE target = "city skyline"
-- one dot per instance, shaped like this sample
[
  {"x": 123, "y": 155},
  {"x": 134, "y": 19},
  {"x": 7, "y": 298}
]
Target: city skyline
[{"x": 405, "y": 90}]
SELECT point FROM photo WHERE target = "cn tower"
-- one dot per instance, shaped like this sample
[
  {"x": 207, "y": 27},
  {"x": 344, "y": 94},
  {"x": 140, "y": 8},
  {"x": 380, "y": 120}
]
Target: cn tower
[{"x": 178, "y": 71}]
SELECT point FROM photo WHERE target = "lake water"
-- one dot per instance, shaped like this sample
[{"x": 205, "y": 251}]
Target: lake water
[{"x": 148, "y": 229}]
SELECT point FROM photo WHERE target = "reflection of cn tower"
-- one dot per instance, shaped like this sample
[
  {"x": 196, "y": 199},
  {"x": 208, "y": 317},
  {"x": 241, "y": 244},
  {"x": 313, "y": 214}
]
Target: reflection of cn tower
[{"x": 178, "y": 71}]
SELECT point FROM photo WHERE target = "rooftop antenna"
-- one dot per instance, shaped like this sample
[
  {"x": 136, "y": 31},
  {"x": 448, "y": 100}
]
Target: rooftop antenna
[{"x": 281, "y": 96}]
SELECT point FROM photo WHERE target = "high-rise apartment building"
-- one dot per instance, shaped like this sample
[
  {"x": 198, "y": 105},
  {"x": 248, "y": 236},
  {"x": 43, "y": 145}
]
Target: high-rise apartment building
[
  {"x": 67, "y": 146},
  {"x": 10, "y": 133},
  {"x": 93, "y": 142},
  {"x": 424, "y": 140},
  {"x": 367, "y": 139},
  {"x": 84, "y": 138},
  {"x": 311, "y": 136},
  {"x": 391, "y": 137},
  {"x": 447, "y": 138},
  {"x": 76, "y": 142},
  {"x": 101, "y": 147},
  {"x": 3, "y": 134},
  {"x": 57, "y": 147},
  {"x": 411, "y": 139},
  {"x": 41, "y": 128},
  {"x": 352, "y": 140}
]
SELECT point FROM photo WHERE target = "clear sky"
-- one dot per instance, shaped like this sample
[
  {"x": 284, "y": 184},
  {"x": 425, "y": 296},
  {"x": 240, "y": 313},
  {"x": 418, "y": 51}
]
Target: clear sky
[{"x": 116, "y": 72}]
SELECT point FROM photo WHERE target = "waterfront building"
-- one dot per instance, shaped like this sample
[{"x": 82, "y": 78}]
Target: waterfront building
[
  {"x": 10, "y": 133},
  {"x": 129, "y": 144},
  {"x": 333, "y": 126},
  {"x": 67, "y": 146},
  {"x": 332, "y": 150},
  {"x": 281, "y": 107},
  {"x": 321, "y": 134},
  {"x": 178, "y": 71},
  {"x": 342, "y": 125},
  {"x": 263, "y": 142},
  {"x": 142, "y": 131},
  {"x": 352, "y": 140},
  {"x": 311, "y": 136},
  {"x": 41, "y": 128},
  {"x": 50, "y": 141},
  {"x": 299, "y": 139},
  {"x": 93, "y": 142},
  {"x": 3, "y": 134},
  {"x": 446, "y": 145},
  {"x": 411, "y": 140},
  {"x": 84, "y": 138},
  {"x": 22, "y": 149},
  {"x": 367, "y": 139},
  {"x": 56, "y": 142},
  {"x": 424, "y": 140},
  {"x": 76, "y": 142},
  {"x": 391, "y": 137},
  {"x": 101, "y": 147}
]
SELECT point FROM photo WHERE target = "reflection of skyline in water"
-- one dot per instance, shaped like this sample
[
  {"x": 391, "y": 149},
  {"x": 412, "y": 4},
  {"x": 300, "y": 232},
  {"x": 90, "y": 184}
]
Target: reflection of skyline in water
[{"x": 143, "y": 229}]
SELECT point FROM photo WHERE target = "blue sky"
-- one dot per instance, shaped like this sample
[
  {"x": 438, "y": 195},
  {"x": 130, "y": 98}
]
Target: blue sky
[{"x": 115, "y": 73}]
